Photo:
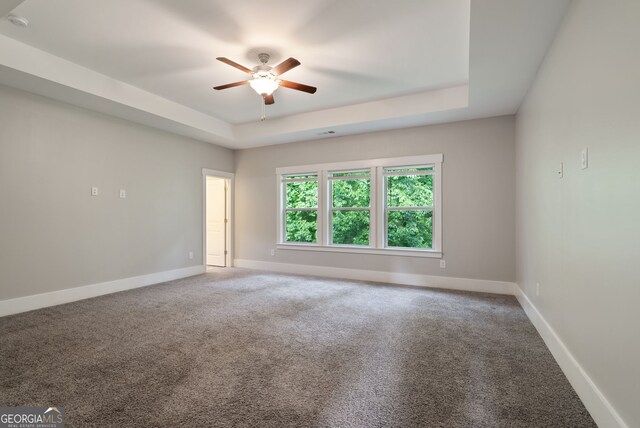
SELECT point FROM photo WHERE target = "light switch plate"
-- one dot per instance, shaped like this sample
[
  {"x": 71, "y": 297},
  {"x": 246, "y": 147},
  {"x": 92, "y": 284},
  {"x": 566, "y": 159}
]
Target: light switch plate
[
  {"x": 584, "y": 158},
  {"x": 560, "y": 170}
]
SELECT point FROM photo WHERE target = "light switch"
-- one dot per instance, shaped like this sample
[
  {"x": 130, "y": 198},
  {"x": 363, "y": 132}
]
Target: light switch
[
  {"x": 94, "y": 191},
  {"x": 123, "y": 193},
  {"x": 584, "y": 158}
]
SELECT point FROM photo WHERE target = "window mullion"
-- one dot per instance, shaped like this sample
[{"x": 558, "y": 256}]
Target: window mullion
[
  {"x": 402, "y": 173},
  {"x": 350, "y": 209},
  {"x": 372, "y": 207},
  {"x": 351, "y": 177},
  {"x": 437, "y": 212},
  {"x": 381, "y": 202},
  {"x": 281, "y": 212},
  {"x": 323, "y": 218},
  {"x": 425, "y": 208},
  {"x": 298, "y": 180}
]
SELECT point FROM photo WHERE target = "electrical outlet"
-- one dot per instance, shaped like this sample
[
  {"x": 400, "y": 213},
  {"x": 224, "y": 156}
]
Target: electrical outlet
[
  {"x": 123, "y": 193},
  {"x": 190, "y": 255},
  {"x": 537, "y": 288},
  {"x": 94, "y": 191},
  {"x": 443, "y": 264},
  {"x": 273, "y": 252}
]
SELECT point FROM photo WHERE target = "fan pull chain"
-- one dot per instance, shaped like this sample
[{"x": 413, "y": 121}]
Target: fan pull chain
[{"x": 264, "y": 111}]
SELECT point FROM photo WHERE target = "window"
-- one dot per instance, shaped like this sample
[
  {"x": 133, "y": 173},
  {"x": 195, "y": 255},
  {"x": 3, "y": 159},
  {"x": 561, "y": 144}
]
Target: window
[
  {"x": 301, "y": 208},
  {"x": 350, "y": 207},
  {"x": 408, "y": 207},
  {"x": 382, "y": 206}
]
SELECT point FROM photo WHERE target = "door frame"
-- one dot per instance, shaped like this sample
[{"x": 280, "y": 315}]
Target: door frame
[{"x": 230, "y": 178}]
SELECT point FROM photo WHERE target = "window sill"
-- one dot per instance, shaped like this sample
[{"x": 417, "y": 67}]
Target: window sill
[{"x": 362, "y": 250}]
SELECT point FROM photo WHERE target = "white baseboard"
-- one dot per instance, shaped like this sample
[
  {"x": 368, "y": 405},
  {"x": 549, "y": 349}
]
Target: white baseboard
[
  {"x": 465, "y": 284},
  {"x": 37, "y": 301},
  {"x": 594, "y": 400}
]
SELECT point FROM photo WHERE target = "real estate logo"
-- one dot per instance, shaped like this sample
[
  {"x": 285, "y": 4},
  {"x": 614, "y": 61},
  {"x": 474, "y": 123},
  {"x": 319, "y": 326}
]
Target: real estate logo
[{"x": 31, "y": 417}]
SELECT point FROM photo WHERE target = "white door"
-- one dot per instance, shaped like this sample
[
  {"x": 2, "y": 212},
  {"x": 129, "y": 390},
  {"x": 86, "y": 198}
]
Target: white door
[{"x": 216, "y": 227}]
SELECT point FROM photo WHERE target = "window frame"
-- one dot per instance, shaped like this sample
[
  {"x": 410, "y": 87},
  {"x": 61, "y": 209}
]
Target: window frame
[
  {"x": 377, "y": 208},
  {"x": 331, "y": 208},
  {"x": 283, "y": 192},
  {"x": 386, "y": 208}
]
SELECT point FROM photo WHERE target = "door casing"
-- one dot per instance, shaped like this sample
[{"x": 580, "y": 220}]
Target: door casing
[{"x": 230, "y": 177}]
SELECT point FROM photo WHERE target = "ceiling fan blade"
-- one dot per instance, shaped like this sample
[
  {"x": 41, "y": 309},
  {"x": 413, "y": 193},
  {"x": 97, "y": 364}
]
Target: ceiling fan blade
[
  {"x": 268, "y": 99},
  {"x": 231, "y": 85},
  {"x": 285, "y": 66},
  {"x": 298, "y": 86},
  {"x": 234, "y": 64}
]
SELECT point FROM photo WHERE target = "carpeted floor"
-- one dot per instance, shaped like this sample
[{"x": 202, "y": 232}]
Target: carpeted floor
[{"x": 240, "y": 348}]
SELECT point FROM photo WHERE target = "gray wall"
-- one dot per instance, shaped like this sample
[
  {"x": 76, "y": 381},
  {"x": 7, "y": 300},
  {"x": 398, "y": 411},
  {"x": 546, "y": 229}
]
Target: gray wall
[
  {"x": 54, "y": 235},
  {"x": 478, "y": 197},
  {"x": 579, "y": 236}
]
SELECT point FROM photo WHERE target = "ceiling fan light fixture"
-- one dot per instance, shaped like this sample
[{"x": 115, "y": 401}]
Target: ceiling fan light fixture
[{"x": 264, "y": 83}]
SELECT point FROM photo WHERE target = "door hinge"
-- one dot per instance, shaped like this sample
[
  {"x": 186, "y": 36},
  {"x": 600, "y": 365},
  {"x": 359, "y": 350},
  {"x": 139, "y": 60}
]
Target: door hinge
[
  {"x": 225, "y": 252},
  {"x": 226, "y": 220}
]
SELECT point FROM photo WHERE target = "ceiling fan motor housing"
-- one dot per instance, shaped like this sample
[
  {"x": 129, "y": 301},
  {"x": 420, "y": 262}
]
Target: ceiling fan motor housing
[
  {"x": 264, "y": 59},
  {"x": 261, "y": 67}
]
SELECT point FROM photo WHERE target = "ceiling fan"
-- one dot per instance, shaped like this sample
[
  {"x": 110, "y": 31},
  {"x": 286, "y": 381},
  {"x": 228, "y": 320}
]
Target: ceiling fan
[{"x": 265, "y": 79}]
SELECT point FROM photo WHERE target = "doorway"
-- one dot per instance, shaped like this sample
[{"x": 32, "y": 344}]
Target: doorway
[{"x": 217, "y": 214}]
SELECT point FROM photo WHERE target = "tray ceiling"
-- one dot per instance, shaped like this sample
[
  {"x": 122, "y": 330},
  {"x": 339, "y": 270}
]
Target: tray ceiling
[{"x": 377, "y": 64}]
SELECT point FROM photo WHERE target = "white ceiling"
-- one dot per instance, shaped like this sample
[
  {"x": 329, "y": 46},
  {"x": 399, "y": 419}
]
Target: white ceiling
[{"x": 377, "y": 64}]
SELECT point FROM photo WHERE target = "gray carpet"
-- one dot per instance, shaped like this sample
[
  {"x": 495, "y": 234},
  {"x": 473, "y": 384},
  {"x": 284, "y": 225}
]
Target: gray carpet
[{"x": 240, "y": 348}]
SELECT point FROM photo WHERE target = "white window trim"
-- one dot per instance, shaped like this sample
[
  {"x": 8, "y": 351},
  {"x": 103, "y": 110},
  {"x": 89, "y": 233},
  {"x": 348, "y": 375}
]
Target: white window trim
[
  {"x": 282, "y": 209},
  {"x": 377, "y": 233},
  {"x": 330, "y": 208}
]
